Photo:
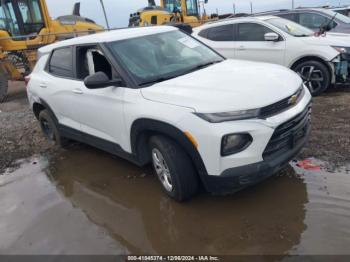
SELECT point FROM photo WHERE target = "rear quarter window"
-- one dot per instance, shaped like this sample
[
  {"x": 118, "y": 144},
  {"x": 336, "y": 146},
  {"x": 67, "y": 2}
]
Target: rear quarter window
[{"x": 61, "y": 62}]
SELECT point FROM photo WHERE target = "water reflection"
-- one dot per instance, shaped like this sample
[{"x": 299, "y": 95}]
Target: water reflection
[{"x": 266, "y": 219}]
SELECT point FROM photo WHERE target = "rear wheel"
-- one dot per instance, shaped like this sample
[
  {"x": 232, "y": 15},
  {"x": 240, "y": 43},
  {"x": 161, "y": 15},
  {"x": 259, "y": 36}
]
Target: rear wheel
[
  {"x": 3, "y": 87},
  {"x": 50, "y": 129},
  {"x": 315, "y": 76},
  {"x": 174, "y": 168}
]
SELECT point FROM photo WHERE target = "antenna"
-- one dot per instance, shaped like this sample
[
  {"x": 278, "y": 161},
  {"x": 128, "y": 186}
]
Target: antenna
[
  {"x": 251, "y": 7},
  {"x": 234, "y": 8},
  {"x": 105, "y": 15},
  {"x": 293, "y": 4}
]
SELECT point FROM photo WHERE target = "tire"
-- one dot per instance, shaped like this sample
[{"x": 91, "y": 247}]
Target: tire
[
  {"x": 50, "y": 129},
  {"x": 3, "y": 87},
  {"x": 315, "y": 75},
  {"x": 181, "y": 180}
]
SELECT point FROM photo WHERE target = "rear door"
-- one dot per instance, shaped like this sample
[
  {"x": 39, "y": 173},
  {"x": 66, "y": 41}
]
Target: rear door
[
  {"x": 60, "y": 87},
  {"x": 220, "y": 38},
  {"x": 250, "y": 44}
]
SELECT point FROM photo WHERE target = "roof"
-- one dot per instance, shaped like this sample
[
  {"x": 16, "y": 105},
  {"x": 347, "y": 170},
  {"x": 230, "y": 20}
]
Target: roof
[
  {"x": 110, "y": 36},
  {"x": 235, "y": 19}
]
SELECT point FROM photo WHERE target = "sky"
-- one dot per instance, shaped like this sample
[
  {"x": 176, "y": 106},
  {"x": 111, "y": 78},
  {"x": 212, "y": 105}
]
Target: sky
[{"x": 118, "y": 11}]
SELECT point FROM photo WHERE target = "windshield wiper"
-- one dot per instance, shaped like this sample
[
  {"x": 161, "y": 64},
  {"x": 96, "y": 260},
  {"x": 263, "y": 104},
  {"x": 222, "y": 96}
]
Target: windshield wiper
[
  {"x": 325, "y": 28},
  {"x": 303, "y": 35},
  {"x": 162, "y": 79},
  {"x": 198, "y": 67},
  {"x": 157, "y": 80}
]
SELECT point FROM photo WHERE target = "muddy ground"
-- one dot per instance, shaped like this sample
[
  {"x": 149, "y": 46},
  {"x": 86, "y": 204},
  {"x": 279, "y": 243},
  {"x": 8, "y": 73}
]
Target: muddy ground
[
  {"x": 20, "y": 136},
  {"x": 83, "y": 201}
]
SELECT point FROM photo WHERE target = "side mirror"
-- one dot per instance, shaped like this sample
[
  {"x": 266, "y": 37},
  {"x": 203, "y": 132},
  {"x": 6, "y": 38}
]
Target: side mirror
[
  {"x": 100, "y": 80},
  {"x": 271, "y": 37}
]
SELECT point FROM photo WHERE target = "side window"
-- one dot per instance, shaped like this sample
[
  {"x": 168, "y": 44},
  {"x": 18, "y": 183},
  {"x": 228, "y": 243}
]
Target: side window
[
  {"x": 61, "y": 62},
  {"x": 314, "y": 21},
  {"x": 252, "y": 32},
  {"x": 220, "y": 33},
  {"x": 91, "y": 60},
  {"x": 290, "y": 17}
]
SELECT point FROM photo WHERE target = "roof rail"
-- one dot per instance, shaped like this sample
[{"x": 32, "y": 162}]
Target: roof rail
[{"x": 272, "y": 11}]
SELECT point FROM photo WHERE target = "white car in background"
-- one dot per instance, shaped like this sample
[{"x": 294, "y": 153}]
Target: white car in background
[{"x": 319, "y": 60}]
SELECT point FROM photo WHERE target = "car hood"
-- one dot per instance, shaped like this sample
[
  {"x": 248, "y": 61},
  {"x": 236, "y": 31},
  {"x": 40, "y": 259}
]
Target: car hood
[
  {"x": 330, "y": 39},
  {"x": 227, "y": 86}
]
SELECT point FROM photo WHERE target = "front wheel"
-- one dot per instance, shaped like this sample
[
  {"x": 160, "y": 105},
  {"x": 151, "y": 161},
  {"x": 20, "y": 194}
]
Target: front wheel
[
  {"x": 174, "y": 168},
  {"x": 315, "y": 75}
]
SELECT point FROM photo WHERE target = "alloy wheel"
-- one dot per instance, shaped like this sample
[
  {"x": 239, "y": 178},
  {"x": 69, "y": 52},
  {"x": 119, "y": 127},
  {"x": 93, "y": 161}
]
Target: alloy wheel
[
  {"x": 312, "y": 77},
  {"x": 162, "y": 170}
]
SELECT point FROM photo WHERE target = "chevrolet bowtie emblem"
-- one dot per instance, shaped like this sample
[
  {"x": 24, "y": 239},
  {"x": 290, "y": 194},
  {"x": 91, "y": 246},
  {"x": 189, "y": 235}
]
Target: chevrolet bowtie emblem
[{"x": 293, "y": 100}]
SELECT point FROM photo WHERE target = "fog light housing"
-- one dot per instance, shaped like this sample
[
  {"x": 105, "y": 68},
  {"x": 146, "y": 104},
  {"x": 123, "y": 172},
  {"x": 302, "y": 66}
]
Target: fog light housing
[{"x": 235, "y": 143}]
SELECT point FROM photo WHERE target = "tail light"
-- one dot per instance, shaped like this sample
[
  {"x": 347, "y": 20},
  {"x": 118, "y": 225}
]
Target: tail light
[{"x": 26, "y": 80}]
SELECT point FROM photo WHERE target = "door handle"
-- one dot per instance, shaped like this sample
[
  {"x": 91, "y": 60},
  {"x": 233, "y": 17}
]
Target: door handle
[
  {"x": 77, "y": 91},
  {"x": 42, "y": 85},
  {"x": 241, "y": 48}
]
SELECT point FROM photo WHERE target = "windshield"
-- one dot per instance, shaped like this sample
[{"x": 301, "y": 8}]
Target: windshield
[
  {"x": 339, "y": 16},
  {"x": 159, "y": 57},
  {"x": 172, "y": 6},
  {"x": 32, "y": 18},
  {"x": 29, "y": 12},
  {"x": 8, "y": 19},
  {"x": 290, "y": 27}
]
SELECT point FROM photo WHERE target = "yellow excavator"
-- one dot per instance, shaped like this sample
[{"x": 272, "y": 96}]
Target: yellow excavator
[
  {"x": 176, "y": 12},
  {"x": 25, "y": 26}
]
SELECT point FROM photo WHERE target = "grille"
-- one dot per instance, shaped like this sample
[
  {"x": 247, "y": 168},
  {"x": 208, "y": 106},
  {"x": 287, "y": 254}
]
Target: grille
[
  {"x": 289, "y": 134},
  {"x": 282, "y": 105}
]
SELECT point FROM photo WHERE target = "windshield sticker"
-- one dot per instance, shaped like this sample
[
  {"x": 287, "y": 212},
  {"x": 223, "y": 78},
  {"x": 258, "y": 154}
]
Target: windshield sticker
[
  {"x": 189, "y": 42},
  {"x": 290, "y": 28}
]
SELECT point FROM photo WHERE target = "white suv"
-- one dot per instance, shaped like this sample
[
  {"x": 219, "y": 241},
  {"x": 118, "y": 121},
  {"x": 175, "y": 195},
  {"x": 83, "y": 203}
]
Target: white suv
[
  {"x": 319, "y": 60},
  {"x": 158, "y": 95}
]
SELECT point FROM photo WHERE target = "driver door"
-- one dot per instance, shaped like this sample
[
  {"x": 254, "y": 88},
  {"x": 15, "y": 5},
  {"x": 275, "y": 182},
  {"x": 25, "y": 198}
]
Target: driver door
[{"x": 100, "y": 111}]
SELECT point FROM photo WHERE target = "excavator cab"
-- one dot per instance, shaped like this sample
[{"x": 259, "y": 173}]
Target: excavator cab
[
  {"x": 187, "y": 7},
  {"x": 25, "y": 26},
  {"x": 21, "y": 17},
  {"x": 182, "y": 13}
]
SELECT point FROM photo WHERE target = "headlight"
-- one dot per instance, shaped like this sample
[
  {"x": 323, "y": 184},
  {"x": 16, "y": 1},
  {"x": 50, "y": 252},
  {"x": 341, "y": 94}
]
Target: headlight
[
  {"x": 229, "y": 116},
  {"x": 235, "y": 143},
  {"x": 341, "y": 49}
]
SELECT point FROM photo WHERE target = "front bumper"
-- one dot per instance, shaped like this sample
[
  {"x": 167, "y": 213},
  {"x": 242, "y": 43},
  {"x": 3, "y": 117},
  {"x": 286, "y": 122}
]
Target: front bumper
[{"x": 235, "y": 179}]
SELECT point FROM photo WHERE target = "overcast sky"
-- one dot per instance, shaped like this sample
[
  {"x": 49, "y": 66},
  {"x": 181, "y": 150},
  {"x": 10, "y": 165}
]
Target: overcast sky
[{"x": 118, "y": 11}]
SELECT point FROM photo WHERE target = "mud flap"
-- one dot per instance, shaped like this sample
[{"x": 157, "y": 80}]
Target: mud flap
[
  {"x": 3, "y": 86},
  {"x": 341, "y": 71}
]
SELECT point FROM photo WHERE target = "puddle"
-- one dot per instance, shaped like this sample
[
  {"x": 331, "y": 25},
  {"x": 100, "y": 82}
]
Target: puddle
[
  {"x": 37, "y": 219},
  {"x": 111, "y": 206}
]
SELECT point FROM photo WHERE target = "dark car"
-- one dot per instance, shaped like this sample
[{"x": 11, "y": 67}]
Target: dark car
[{"x": 315, "y": 18}]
